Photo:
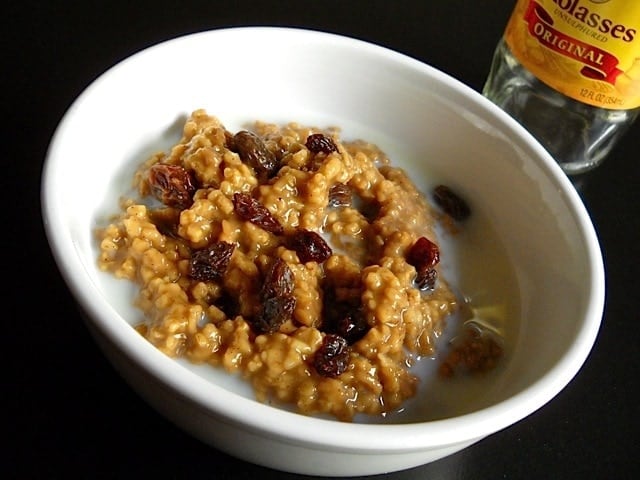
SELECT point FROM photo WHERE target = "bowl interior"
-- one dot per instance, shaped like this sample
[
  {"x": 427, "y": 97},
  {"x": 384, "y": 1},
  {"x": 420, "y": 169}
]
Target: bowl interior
[{"x": 428, "y": 123}]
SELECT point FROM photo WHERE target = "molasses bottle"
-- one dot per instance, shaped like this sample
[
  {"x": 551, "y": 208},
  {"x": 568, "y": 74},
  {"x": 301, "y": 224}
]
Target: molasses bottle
[{"x": 569, "y": 71}]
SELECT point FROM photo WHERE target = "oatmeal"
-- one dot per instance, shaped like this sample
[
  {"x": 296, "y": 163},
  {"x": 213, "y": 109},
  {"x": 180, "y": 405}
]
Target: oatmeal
[{"x": 306, "y": 264}]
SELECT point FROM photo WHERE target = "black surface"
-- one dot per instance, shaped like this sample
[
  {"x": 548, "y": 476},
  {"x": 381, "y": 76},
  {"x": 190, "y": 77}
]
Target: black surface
[{"x": 67, "y": 414}]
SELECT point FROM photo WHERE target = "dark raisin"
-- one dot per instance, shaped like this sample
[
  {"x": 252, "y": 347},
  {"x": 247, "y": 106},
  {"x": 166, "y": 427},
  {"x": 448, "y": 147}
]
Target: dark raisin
[
  {"x": 340, "y": 195},
  {"x": 352, "y": 326},
  {"x": 273, "y": 313},
  {"x": 229, "y": 141},
  {"x": 278, "y": 281},
  {"x": 166, "y": 221},
  {"x": 251, "y": 210},
  {"x": 318, "y": 142},
  {"x": 309, "y": 246},
  {"x": 424, "y": 255},
  {"x": 332, "y": 358},
  {"x": 210, "y": 263},
  {"x": 451, "y": 203},
  {"x": 340, "y": 309},
  {"x": 228, "y": 304},
  {"x": 278, "y": 302},
  {"x": 343, "y": 317},
  {"x": 276, "y": 147},
  {"x": 426, "y": 278},
  {"x": 254, "y": 152},
  {"x": 173, "y": 185}
]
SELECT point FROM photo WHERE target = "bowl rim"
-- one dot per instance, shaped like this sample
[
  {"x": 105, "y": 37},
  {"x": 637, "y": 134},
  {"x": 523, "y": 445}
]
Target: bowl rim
[{"x": 332, "y": 435}]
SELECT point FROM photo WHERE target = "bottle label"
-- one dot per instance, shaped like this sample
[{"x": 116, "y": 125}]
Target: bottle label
[{"x": 588, "y": 50}]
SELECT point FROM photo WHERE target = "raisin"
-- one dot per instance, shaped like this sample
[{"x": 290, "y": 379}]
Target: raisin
[
  {"x": 210, "y": 263},
  {"x": 309, "y": 246},
  {"x": 343, "y": 317},
  {"x": 451, "y": 203},
  {"x": 278, "y": 280},
  {"x": 254, "y": 152},
  {"x": 251, "y": 210},
  {"x": 333, "y": 310},
  {"x": 228, "y": 304},
  {"x": 229, "y": 141},
  {"x": 352, "y": 327},
  {"x": 273, "y": 313},
  {"x": 424, "y": 255},
  {"x": 275, "y": 146},
  {"x": 278, "y": 302},
  {"x": 340, "y": 195},
  {"x": 332, "y": 358},
  {"x": 166, "y": 221},
  {"x": 426, "y": 279},
  {"x": 318, "y": 142},
  {"x": 173, "y": 185}
]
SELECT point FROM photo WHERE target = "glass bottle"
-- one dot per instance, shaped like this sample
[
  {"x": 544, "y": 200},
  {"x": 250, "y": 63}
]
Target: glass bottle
[{"x": 569, "y": 71}]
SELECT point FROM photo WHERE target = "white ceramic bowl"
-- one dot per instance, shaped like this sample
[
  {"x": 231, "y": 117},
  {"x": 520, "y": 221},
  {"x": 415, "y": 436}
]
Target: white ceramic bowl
[{"x": 427, "y": 122}]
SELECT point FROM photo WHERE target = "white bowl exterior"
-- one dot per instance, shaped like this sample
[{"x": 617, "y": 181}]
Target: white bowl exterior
[{"x": 422, "y": 118}]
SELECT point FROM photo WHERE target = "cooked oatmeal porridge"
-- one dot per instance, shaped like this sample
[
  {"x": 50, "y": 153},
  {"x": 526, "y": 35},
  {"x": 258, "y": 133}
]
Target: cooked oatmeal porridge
[{"x": 306, "y": 264}]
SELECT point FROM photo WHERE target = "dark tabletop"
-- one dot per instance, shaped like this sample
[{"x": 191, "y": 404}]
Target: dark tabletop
[{"x": 66, "y": 412}]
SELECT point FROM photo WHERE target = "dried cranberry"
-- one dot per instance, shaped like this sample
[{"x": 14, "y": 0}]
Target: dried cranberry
[
  {"x": 451, "y": 203},
  {"x": 318, "y": 142},
  {"x": 254, "y": 152},
  {"x": 251, "y": 210},
  {"x": 210, "y": 263},
  {"x": 332, "y": 358},
  {"x": 173, "y": 185},
  {"x": 309, "y": 246}
]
